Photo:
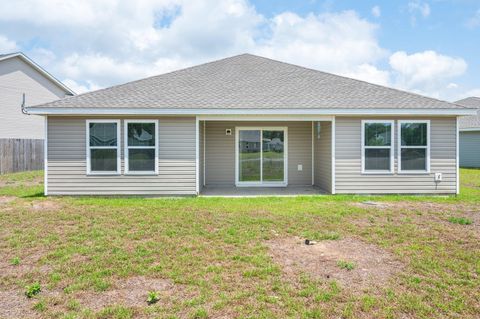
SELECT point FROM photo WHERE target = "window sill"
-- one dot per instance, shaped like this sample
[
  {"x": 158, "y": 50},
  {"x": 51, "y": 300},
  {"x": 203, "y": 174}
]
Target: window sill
[
  {"x": 141, "y": 173},
  {"x": 414, "y": 173},
  {"x": 377, "y": 173},
  {"x": 104, "y": 174}
]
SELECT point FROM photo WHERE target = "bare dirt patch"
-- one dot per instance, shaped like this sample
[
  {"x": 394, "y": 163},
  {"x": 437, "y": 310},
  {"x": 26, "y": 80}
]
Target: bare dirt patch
[
  {"x": 14, "y": 303},
  {"x": 45, "y": 205},
  {"x": 131, "y": 292},
  {"x": 29, "y": 263},
  {"x": 373, "y": 266},
  {"x": 6, "y": 199}
]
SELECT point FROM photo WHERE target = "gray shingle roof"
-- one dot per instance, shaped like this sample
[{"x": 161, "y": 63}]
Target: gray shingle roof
[
  {"x": 470, "y": 121},
  {"x": 249, "y": 82}
]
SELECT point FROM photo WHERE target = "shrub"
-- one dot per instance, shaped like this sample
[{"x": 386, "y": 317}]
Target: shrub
[
  {"x": 32, "y": 290},
  {"x": 15, "y": 261},
  {"x": 152, "y": 297},
  {"x": 348, "y": 265}
]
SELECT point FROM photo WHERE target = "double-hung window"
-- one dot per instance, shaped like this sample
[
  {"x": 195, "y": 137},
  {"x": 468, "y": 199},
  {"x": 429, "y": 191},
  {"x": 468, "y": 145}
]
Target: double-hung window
[
  {"x": 377, "y": 146},
  {"x": 103, "y": 147},
  {"x": 141, "y": 151},
  {"x": 414, "y": 146}
]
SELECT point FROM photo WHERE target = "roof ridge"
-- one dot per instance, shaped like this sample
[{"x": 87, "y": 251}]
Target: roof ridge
[{"x": 357, "y": 80}]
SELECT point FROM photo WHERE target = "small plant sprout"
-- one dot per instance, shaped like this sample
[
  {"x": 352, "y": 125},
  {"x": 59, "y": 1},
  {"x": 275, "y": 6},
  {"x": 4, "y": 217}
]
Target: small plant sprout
[
  {"x": 32, "y": 290},
  {"x": 152, "y": 297},
  {"x": 15, "y": 261},
  {"x": 348, "y": 265},
  {"x": 460, "y": 220}
]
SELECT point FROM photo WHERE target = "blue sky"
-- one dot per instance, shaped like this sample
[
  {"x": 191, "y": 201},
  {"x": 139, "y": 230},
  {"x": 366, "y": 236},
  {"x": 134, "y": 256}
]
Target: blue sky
[{"x": 431, "y": 47}]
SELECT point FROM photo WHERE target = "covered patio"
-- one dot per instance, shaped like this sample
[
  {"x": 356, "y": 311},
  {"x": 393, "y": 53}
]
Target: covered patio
[
  {"x": 288, "y": 191},
  {"x": 258, "y": 156}
]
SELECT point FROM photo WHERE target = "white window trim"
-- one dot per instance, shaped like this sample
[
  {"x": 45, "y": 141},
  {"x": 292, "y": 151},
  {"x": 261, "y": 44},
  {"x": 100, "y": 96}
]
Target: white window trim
[
  {"x": 392, "y": 148},
  {"x": 88, "y": 159},
  {"x": 126, "y": 147},
  {"x": 261, "y": 183},
  {"x": 427, "y": 147}
]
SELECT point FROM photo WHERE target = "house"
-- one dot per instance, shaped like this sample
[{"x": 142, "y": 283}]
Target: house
[
  {"x": 202, "y": 129},
  {"x": 21, "y": 78},
  {"x": 470, "y": 134}
]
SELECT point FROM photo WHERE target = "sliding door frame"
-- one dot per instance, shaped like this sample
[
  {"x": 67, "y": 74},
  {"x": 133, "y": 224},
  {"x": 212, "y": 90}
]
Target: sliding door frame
[{"x": 261, "y": 183}]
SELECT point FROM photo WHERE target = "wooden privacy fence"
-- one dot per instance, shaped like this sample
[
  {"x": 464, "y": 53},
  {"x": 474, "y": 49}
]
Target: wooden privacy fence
[{"x": 18, "y": 155}]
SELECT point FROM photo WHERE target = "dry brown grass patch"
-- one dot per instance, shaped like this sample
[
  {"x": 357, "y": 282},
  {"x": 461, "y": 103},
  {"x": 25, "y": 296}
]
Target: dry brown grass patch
[
  {"x": 6, "y": 199},
  {"x": 373, "y": 266},
  {"x": 132, "y": 292},
  {"x": 45, "y": 205}
]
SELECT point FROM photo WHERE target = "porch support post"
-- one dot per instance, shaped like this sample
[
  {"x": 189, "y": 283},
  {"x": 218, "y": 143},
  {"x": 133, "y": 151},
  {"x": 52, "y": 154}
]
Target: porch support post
[
  {"x": 313, "y": 153},
  {"x": 45, "y": 158},
  {"x": 457, "y": 147},
  {"x": 197, "y": 155},
  {"x": 333, "y": 155}
]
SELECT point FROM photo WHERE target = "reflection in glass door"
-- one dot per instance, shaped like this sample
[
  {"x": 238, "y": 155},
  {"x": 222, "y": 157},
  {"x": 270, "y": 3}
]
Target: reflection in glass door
[
  {"x": 272, "y": 156},
  {"x": 261, "y": 156},
  {"x": 249, "y": 156}
]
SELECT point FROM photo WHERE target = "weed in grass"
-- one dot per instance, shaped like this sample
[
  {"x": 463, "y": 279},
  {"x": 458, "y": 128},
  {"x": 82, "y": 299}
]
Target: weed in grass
[
  {"x": 15, "y": 261},
  {"x": 40, "y": 306},
  {"x": 32, "y": 290},
  {"x": 347, "y": 265},
  {"x": 200, "y": 314},
  {"x": 119, "y": 312},
  {"x": 152, "y": 297},
  {"x": 460, "y": 220}
]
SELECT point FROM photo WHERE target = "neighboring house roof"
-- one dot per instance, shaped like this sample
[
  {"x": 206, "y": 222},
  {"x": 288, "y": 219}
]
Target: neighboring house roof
[
  {"x": 38, "y": 68},
  {"x": 246, "y": 82},
  {"x": 470, "y": 122}
]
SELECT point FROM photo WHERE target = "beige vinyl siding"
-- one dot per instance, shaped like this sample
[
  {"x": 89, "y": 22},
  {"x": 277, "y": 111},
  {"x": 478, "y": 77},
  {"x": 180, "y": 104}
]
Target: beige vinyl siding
[
  {"x": 67, "y": 161},
  {"x": 220, "y": 151},
  {"x": 470, "y": 149},
  {"x": 349, "y": 178},
  {"x": 16, "y": 78},
  {"x": 323, "y": 157}
]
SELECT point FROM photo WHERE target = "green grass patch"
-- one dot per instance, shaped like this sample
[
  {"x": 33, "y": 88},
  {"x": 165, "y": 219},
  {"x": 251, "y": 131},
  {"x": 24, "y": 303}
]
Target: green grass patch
[
  {"x": 347, "y": 265},
  {"x": 460, "y": 220}
]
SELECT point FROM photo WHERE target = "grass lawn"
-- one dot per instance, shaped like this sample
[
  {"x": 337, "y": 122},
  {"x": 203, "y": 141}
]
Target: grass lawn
[{"x": 86, "y": 257}]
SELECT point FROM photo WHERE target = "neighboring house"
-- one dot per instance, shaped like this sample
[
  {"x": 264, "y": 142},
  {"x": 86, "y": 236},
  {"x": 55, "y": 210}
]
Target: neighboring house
[
  {"x": 470, "y": 134},
  {"x": 21, "y": 76},
  {"x": 200, "y": 128}
]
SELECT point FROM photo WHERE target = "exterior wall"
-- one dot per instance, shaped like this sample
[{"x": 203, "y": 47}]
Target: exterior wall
[
  {"x": 349, "y": 178},
  {"x": 67, "y": 161},
  {"x": 220, "y": 151},
  {"x": 470, "y": 149},
  {"x": 16, "y": 78},
  {"x": 323, "y": 157}
]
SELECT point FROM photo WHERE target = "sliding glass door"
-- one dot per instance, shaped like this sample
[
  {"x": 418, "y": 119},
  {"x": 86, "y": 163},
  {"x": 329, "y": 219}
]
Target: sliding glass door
[{"x": 261, "y": 157}]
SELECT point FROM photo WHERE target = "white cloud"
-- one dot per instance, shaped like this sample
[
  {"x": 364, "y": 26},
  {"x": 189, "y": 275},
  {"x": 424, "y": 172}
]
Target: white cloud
[
  {"x": 452, "y": 85},
  {"x": 369, "y": 73},
  {"x": 427, "y": 72},
  {"x": 376, "y": 12},
  {"x": 418, "y": 7},
  {"x": 421, "y": 7},
  {"x": 323, "y": 41},
  {"x": 474, "y": 21},
  {"x": 6, "y": 45},
  {"x": 80, "y": 88}
]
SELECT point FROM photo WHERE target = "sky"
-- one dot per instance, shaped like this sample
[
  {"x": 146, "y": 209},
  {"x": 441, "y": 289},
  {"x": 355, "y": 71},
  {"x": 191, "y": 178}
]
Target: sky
[{"x": 430, "y": 47}]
